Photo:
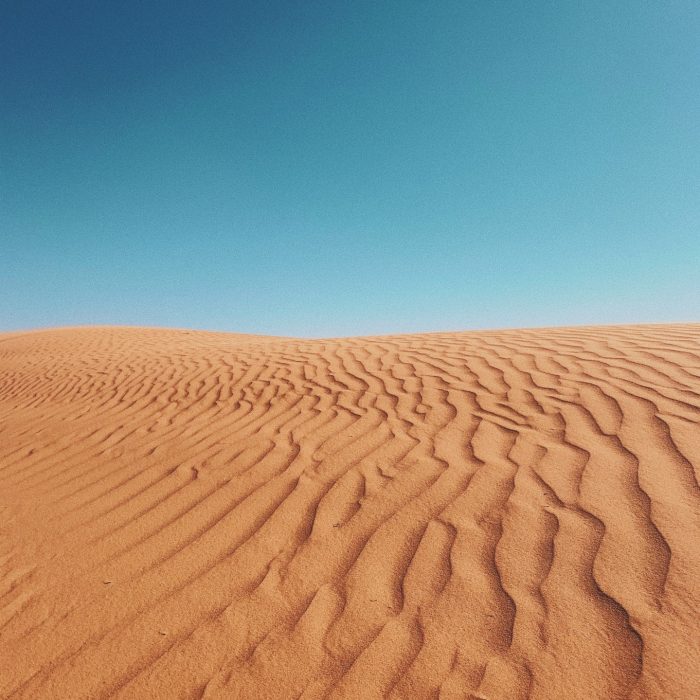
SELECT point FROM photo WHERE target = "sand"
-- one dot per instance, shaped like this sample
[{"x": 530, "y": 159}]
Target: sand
[{"x": 510, "y": 514}]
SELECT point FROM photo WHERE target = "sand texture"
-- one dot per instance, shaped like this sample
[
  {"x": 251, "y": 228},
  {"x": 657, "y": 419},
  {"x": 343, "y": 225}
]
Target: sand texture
[{"x": 510, "y": 514}]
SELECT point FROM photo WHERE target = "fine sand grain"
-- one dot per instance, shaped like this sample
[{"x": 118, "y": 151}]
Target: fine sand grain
[{"x": 510, "y": 514}]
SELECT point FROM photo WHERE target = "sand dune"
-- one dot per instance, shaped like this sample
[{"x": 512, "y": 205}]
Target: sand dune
[{"x": 508, "y": 514}]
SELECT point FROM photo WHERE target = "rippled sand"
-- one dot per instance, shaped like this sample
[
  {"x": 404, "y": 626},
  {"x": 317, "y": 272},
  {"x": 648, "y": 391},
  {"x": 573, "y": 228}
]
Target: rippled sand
[{"x": 510, "y": 514}]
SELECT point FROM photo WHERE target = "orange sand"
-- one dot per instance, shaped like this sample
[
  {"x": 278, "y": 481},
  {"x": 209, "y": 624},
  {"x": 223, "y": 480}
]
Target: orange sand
[{"x": 509, "y": 514}]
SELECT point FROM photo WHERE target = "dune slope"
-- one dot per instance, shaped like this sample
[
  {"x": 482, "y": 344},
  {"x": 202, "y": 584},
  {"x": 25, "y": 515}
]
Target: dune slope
[{"x": 508, "y": 514}]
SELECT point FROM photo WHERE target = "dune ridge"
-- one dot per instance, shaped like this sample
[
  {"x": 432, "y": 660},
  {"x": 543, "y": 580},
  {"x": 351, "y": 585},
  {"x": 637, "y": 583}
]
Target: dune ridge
[{"x": 504, "y": 514}]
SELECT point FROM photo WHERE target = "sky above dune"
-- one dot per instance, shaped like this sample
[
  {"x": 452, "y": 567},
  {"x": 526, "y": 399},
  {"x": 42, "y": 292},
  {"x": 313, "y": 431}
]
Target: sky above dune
[{"x": 328, "y": 168}]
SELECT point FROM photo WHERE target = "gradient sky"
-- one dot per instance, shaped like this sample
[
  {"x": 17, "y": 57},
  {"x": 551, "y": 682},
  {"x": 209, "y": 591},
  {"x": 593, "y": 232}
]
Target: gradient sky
[{"x": 339, "y": 168}]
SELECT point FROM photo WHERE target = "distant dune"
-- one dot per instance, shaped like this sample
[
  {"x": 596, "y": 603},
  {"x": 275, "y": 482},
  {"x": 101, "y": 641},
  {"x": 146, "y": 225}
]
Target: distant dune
[{"x": 510, "y": 514}]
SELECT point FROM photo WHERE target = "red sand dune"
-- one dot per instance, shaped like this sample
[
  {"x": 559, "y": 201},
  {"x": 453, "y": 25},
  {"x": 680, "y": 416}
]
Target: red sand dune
[{"x": 509, "y": 514}]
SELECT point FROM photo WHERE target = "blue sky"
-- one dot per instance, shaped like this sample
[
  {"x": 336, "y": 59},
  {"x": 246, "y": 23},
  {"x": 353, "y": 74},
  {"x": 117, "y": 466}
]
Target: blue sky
[{"x": 340, "y": 168}]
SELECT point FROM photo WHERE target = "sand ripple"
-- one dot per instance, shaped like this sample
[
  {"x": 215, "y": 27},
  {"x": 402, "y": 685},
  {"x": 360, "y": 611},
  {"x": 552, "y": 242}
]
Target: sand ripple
[{"x": 509, "y": 514}]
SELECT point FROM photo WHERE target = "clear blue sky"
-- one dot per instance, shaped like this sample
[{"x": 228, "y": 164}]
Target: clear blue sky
[{"x": 337, "y": 168}]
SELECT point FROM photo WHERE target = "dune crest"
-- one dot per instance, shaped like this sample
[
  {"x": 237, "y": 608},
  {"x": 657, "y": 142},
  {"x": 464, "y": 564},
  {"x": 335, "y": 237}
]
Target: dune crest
[{"x": 510, "y": 514}]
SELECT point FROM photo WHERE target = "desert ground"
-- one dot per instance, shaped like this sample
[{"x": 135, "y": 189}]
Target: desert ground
[{"x": 492, "y": 515}]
